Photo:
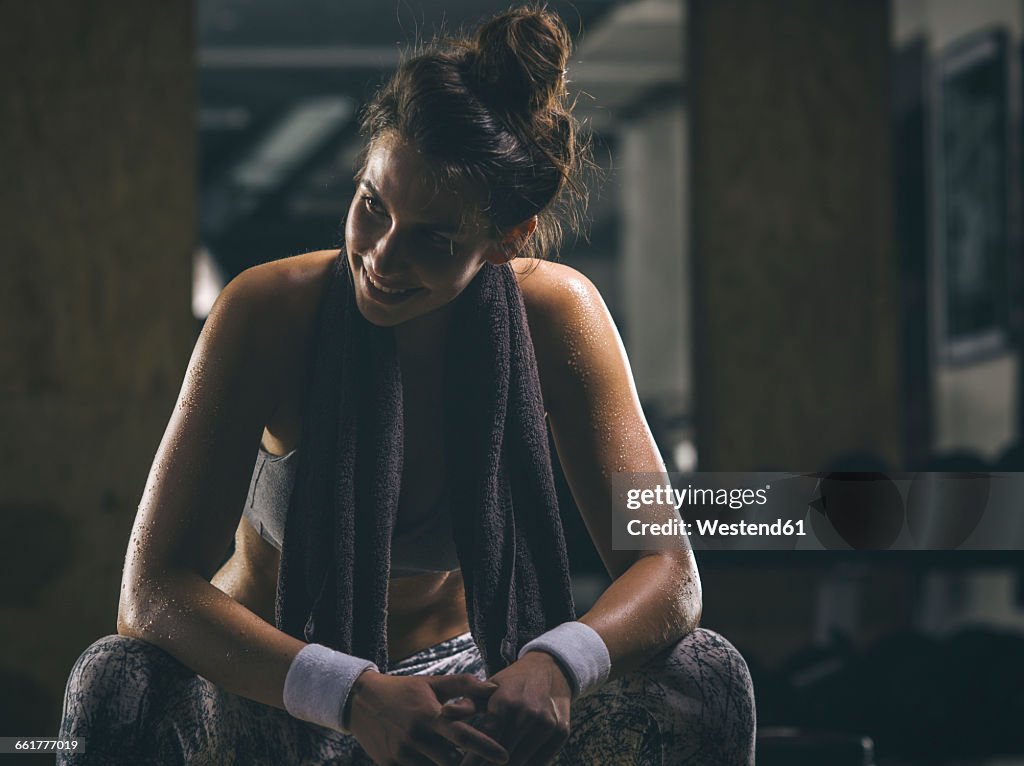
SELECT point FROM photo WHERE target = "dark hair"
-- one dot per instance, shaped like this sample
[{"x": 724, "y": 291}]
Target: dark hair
[{"x": 493, "y": 110}]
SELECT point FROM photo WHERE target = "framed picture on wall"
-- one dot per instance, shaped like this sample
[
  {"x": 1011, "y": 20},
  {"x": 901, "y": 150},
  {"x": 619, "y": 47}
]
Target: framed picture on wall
[{"x": 972, "y": 242}]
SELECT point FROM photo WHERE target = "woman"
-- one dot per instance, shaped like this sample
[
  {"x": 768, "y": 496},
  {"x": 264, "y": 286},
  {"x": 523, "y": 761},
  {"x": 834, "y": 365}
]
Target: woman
[{"x": 400, "y": 541}]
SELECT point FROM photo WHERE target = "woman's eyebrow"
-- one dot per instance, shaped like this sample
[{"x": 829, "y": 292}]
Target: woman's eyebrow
[
  {"x": 369, "y": 187},
  {"x": 447, "y": 228}
]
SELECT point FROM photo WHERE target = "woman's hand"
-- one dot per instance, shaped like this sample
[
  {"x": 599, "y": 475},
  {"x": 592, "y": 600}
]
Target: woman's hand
[
  {"x": 528, "y": 714},
  {"x": 398, "y": 721}
]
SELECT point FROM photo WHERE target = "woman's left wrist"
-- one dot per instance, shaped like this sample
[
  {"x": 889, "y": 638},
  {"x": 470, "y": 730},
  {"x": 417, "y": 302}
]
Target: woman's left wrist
[
  {"x": 543, "y": 661},
  {"x": 580, "y": 653}
]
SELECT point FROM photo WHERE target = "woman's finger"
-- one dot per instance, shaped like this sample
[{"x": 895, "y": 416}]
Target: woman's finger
[
  {"x": 438, "y": 749},
  {"x": 473, "y": 740},
  {"x": 517, "y": 739},
  {"x": 459, "y": 708},
  {"x": 522, "y": 742},
  {"x": 525, "y": 743},
  {"x": 460, "y": 685},
  {"x": 490, "y": 726}
]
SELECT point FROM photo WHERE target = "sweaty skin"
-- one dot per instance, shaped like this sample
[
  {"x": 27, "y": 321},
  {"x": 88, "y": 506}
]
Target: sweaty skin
[{"x": 406, "y": 231}]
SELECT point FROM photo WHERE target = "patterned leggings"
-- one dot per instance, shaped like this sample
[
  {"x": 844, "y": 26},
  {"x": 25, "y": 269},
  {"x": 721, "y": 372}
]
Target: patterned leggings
[{"x": 129, "y": 702}]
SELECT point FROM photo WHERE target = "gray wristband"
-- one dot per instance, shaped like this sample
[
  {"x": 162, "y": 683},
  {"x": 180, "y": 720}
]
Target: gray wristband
[
  {"x": 580, "y": 651},
  {"x": 318, "y": 683}
]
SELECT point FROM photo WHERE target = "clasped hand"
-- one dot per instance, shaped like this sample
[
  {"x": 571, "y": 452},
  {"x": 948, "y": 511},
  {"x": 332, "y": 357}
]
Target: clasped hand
[
  {"x": 528, "y": 713},
  {"x": 519, "y": 717}
]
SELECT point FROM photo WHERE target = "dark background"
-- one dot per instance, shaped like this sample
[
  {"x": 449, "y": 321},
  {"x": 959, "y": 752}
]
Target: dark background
[{"x": 784, "y": 232}]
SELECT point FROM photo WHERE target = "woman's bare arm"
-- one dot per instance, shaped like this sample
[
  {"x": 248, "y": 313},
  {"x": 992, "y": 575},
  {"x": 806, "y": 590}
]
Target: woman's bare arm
[
  {"x": 196, "y": 488},
  {"x": 600, "y": 429}
]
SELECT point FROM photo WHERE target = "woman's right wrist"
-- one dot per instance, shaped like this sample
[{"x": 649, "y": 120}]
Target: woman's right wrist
[
  {"x": 361, "y": 690},
  {"x": 319, "y": 685}
]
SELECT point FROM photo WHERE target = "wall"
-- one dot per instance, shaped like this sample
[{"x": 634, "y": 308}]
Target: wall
[
  {"x": 794, "y": 276},
  {"x": 98, "y": 213},
  {"x": 975, "y": 405},
  {"x": 655, "y": 262}
]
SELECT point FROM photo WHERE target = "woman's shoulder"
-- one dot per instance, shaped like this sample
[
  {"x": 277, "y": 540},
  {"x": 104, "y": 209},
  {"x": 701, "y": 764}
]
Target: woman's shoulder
[
  {"x": 572, "y": 331},
  {"x": 277, "y": 306},
  {"x": 291, "y": 284},
  {"x": 557, "y": 297},
  {"x": 280, "y": 298}
]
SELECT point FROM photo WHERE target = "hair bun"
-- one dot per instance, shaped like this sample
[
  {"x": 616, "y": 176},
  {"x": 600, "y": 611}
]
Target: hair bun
[{"x": 520, "y": 60}]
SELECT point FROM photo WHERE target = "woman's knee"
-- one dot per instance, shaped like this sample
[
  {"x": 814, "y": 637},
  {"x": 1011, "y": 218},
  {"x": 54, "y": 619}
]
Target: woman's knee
[
  {"x": 700, "y": 692},
  {"x": 115, "y": 665},
  {"x": 706, "y": 658},
  {"x": 115, "y": 686},
  {"x": 704, "y": 666}
]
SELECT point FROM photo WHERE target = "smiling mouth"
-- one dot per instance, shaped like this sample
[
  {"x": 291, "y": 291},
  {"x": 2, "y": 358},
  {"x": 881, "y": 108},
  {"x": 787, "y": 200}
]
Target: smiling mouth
[
  {"x": 380, "y": 286},
  {"x": 384, "y": 294}
]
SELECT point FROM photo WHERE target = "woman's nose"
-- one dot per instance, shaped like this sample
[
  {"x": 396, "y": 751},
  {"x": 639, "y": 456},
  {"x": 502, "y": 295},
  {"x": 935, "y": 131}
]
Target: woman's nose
[{"x": 390, "y": 253}]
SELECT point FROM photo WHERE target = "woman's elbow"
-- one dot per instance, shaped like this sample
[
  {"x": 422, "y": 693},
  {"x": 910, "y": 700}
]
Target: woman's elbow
[
  {"x": 140, "y": 603},
  {"x": 689, "y": 593},
  {"x": 130, "y": 618}
]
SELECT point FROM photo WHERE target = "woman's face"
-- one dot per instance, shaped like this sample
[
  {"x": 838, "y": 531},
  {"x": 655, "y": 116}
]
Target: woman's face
[{"x": 413, "y": 243}]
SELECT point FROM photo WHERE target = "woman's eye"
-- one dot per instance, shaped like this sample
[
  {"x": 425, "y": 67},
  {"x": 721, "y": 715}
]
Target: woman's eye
[
  {"x": 372, "y": 205},
  {"x": 441, "y": 243}
]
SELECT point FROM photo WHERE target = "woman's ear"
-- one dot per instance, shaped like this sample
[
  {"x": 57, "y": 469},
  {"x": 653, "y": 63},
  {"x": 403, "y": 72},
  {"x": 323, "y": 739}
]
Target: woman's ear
[{"x": 512, "y": 241}]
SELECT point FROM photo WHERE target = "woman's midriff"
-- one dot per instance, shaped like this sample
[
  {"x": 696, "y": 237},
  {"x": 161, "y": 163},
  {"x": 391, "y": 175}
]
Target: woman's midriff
[{"x": 423, "y": 610}]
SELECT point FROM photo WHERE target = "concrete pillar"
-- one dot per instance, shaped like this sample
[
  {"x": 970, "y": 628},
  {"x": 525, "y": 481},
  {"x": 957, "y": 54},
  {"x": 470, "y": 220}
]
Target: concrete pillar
[
  {"x": 653, "y": 176},
  {"x": 795, "y": 328},
  {"x": 97, "y": 209}
]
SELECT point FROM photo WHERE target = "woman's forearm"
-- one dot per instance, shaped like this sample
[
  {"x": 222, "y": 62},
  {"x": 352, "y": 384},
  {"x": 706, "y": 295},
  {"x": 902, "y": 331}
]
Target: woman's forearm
[
  {"x": 210, "y": 633},
  {"x": 652, "y": 604}
]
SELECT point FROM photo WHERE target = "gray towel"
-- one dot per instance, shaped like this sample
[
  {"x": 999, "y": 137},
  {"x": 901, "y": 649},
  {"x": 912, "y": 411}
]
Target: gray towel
[{"x": 335, "y": 560}]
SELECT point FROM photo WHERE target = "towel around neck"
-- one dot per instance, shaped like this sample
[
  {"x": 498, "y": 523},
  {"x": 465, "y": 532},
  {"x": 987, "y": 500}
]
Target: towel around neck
[{"x": 335, "y": 560}]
